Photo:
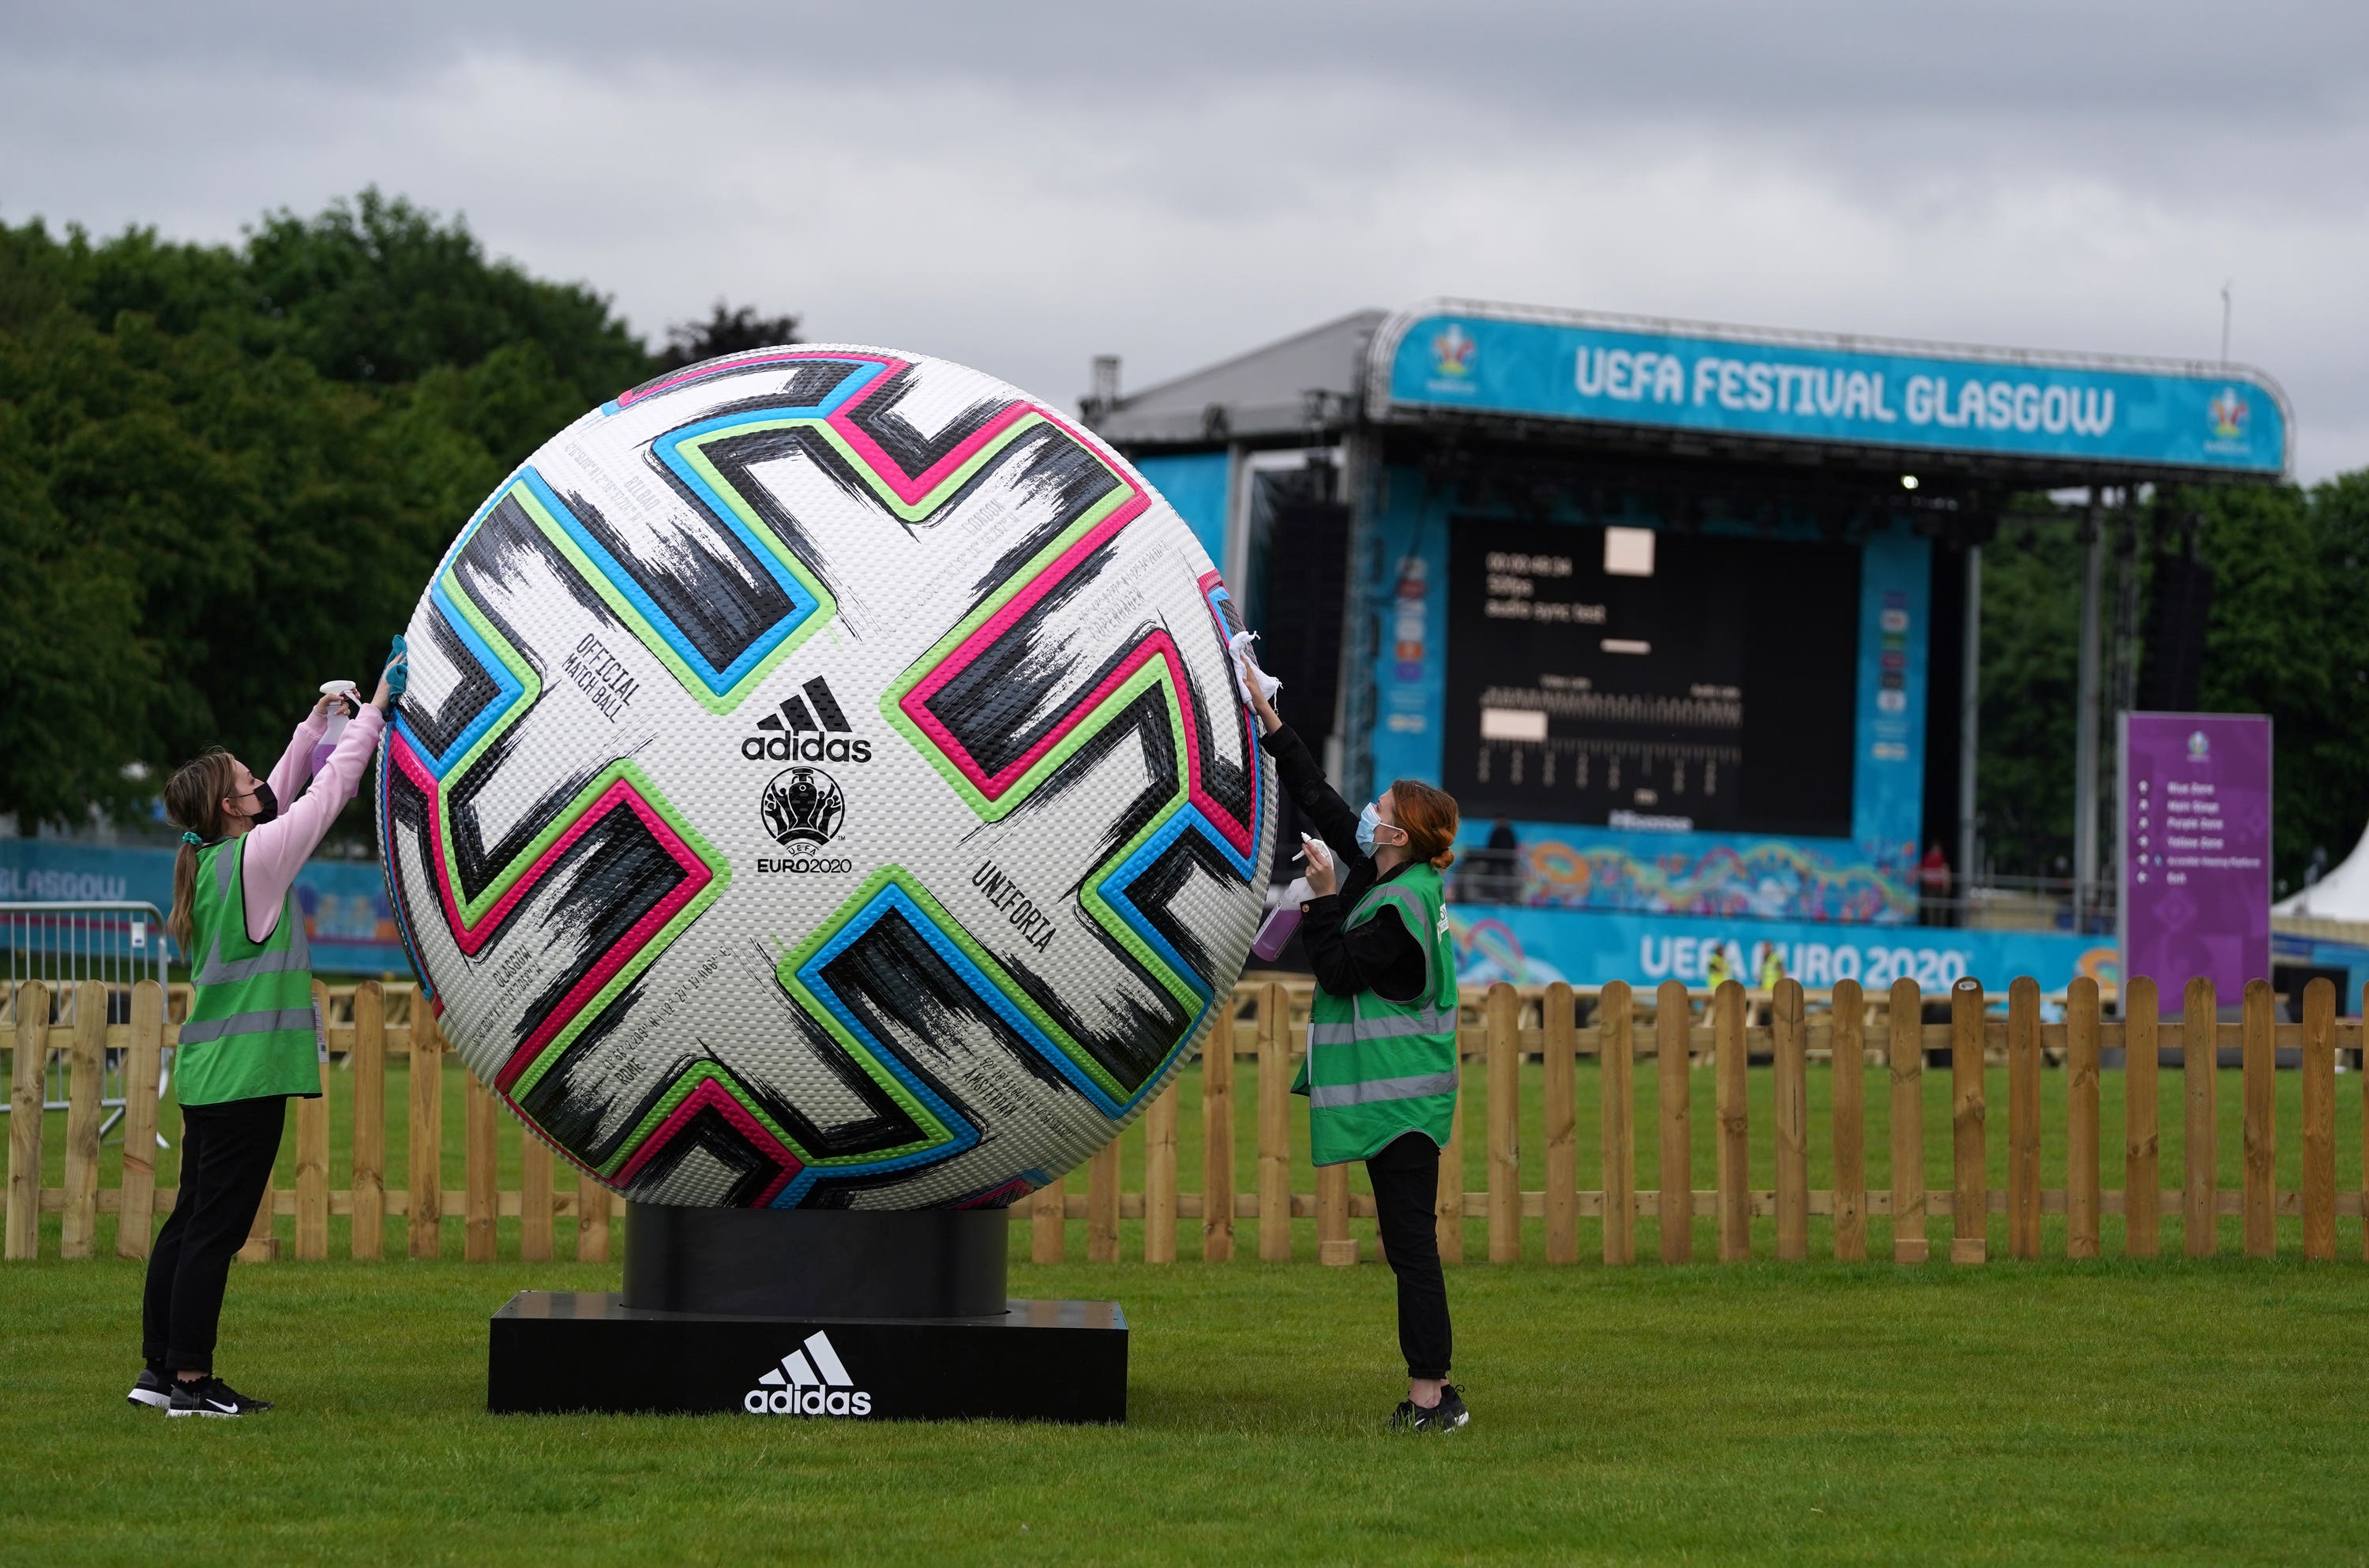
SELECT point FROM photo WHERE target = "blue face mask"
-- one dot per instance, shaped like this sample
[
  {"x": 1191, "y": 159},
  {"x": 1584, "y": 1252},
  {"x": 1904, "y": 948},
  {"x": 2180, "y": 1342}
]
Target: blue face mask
[{"x": 1368, "y": 820}]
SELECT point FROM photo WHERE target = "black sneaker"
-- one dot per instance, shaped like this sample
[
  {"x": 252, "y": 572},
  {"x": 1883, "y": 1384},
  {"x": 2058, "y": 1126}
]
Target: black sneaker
[
  {"x": 1446, "y": 1417},
  {"x": 149, "y": 1388},
  {"x": 211, "y": 1396}
]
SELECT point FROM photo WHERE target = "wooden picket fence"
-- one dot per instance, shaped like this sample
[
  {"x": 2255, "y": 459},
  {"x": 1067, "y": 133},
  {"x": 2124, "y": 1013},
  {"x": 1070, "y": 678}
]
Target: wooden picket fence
[{"x": 1263, "y": 1025}]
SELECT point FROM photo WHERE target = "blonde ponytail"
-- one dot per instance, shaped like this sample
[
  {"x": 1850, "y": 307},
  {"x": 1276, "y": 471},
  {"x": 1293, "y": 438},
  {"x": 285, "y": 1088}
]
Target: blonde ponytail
[{"x": 193, "y": 802}]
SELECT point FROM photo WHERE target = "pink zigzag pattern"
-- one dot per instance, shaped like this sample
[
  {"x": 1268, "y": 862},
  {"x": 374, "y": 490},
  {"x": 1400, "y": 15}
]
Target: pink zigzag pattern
[
  {"x": 1158, "y": 645},
  {"x": 472, "y": 938},
  {"x": 713, "y": 1096}
]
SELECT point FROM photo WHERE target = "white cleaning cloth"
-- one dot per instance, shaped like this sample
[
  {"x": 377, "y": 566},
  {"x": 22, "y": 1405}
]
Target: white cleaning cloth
[{"x": 1239, "y": 645}]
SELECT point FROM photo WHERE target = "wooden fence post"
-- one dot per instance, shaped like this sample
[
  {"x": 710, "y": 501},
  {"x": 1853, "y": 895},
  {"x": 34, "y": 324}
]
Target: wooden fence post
[
  {"x": 1616, "y": 1113},
  {"x": 26, "y": 1094},
  {"x": 2200, "y": 1052},
  {"x": 2081, "y": 1173},
  {"x": 1505, "y": 1015},
  {"x": 1733, "y": 1172},
  {"x": 1560, "y": 1124},
  {"x": 1048, "y": 1213},
  {"x": 1274, "y": 1130},
  {"x": 1790, "y": 1050},
  {"x": 1849, "y": 1058},
  {"x": 2142, "y": 1175},
  {"x": 536, "y": 1202},
  {"x": 2260, "y": 1056},
  {"x": 262, "y": 1237},
  {"x": 1102, "y": 1205},
  {"x": 480, "y": 1164},
  {"x": 1159, "y": 1172},
  {"x": 2319, "y": 1119},
  {"x": 313, "y": 1157},
  {"x": 593, "y": 1204},
  {"x": 1970, "y": 1218},
  {"x": 1448, "y": 1214},
  {"x": 1335, "y": 1246},
  {"x": 140, "y": 1074},
  {"x": 2023, "y": 1118},
  {"x": 1904, "y": 1030},
  {"x": 425, "y": 1163},
  {"x": 1676, "y": 1203},
  {"x": 1218, "y": 1127},
  {"x": 85, "y": 1072},
  {"x": 368, "y": 1064}
]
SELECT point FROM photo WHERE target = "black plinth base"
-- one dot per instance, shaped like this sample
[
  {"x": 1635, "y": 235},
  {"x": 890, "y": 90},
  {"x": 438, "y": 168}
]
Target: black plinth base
[
  {"x": 571, "y": 1350},
  {"x": 807, "y": 1263}
]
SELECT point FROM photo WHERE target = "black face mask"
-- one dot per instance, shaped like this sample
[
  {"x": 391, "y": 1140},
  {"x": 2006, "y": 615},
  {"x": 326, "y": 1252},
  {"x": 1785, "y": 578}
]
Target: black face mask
[{"x": 267, "y": 805}]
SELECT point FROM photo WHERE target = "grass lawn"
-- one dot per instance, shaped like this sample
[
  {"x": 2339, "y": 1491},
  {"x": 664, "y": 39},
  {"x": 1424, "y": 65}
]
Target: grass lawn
[{"x": 2050, "y": 1412}]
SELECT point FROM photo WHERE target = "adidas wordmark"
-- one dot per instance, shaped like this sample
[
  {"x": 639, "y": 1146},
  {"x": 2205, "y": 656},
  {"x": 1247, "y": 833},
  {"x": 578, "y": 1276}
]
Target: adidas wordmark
[{"x": 811, "y": 1380}]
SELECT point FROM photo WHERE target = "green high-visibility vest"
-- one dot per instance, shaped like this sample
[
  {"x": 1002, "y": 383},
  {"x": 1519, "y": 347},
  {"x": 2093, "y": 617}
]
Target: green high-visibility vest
[
  {"x": 252, "y": 1031},
  {"x": 1377, "y": 1069}
]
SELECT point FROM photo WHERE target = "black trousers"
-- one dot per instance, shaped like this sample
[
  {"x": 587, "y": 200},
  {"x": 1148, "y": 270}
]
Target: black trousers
[
  {"x": 1406, "y": 1191},
  {"x": 226, "y": 1155}
]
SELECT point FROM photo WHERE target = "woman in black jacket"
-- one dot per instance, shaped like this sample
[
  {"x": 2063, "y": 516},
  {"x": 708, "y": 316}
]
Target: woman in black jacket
[{"x": 1412, "y": 825}]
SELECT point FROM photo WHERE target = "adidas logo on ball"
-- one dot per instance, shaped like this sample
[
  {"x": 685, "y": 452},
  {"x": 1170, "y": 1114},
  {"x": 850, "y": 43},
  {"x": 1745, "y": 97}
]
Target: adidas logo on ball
[
  {"x": 797, "y": 736},
  {"x": 811, "y": 1380}
]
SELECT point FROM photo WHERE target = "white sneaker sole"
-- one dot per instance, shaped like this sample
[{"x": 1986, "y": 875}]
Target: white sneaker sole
[
  {"x": 218, "y": 1415},
  {"x": 153, "y": 1401}
]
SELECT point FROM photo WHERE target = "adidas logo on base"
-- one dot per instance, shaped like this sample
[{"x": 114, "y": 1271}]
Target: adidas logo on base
[{"x": 811, "y": 1380}]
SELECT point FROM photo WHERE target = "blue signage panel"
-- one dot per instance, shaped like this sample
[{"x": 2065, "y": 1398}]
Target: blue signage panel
[
  {"x": 343, "y": 902},
  {"x": 1793, "y": 386},
  {"x": 1532, "y": 946}
]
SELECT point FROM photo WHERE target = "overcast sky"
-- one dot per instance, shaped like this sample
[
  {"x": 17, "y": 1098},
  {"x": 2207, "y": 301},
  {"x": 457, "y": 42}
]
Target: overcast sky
[{"x": 1023, "y": 186}]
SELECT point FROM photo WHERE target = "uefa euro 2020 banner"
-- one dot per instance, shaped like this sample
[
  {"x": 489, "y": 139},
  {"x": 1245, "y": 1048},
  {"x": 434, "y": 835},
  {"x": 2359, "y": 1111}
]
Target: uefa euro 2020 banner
[{"x": 1861, "y": 392}]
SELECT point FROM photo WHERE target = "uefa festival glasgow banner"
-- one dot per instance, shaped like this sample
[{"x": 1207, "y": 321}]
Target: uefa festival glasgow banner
[
  {"x": 344, "y": 903},
  {"x": 1863, "y": 392}
]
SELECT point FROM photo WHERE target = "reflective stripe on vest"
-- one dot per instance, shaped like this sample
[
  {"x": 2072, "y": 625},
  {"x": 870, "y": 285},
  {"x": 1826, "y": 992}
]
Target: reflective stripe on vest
[
  {"x": 252, "y": 1032},
  {"x": 1376, "y": 1069},
  {"x": 1430, "y": 1021},
  {"x": 1422, "y": 1086}
]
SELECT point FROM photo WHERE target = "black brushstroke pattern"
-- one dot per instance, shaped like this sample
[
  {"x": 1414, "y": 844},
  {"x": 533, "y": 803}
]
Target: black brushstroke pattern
[
  {"x": 438, "y": 726},
  {"x": 875, "y": 414},
  {"x": 1058, "y": 467},
  {"x": 753, "y": 1170},
  {"x": 997, "y": 704},
  {"x": 808, "y": 383},
  {"x": 571, "y": 1109},
  {"x": 1224, "y": 780},
  {"x": 710, "y": 583},
  {"x": 614, "y": 873},
  {"x": 476, "y": 863},
  {"x": 1154, "y": 892},
  {"x": 408, "y": 811},
  {"x": 499, "y": 553},
  {"x": 1132, "y": 1047},
  {"x": 892, "y": 974}
]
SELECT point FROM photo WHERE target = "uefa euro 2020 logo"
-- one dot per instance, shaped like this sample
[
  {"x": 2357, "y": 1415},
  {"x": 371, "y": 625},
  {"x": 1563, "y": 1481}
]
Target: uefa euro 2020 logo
[
  {"x": 1451, "y": 351},
  {"x": 2227, "y": 412},
  {"x": 2199, "y": 749}
]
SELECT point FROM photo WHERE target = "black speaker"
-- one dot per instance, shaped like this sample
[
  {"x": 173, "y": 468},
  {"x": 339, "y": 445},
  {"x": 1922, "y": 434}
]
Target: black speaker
[
  {"x": 2175, "y": 636},
  {"x": 1300, "y": 642}
]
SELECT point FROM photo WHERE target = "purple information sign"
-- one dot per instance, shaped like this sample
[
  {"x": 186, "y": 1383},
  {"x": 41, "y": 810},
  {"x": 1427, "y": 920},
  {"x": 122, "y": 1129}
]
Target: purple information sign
[{"x": 2196, "y": 852}]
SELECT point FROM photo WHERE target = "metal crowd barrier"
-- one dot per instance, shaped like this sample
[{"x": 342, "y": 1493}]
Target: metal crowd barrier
[{"x": 115, "y": 943}]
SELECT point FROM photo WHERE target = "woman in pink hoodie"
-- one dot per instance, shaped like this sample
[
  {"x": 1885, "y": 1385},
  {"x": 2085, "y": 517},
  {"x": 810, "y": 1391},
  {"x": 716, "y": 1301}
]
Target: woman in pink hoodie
[{"x": 252, "y": 1037}]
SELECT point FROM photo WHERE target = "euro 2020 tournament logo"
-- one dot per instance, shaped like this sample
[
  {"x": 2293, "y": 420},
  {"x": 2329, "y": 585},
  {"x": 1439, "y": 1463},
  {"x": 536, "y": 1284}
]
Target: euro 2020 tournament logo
[
  {"x": 1451, "y": 351},
  {"x": 2199, "y": 749},
  {"x": 2227, "y": 412},
  {"x": 803, "y": 805}
]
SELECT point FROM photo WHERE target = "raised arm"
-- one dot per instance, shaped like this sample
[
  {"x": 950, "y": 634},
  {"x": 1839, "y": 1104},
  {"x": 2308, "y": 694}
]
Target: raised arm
[{"x": 272, "y": 854}]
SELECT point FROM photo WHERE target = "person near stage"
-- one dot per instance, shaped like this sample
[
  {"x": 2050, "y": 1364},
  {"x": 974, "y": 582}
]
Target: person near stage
[
  {"x": 252, "y": 1037},
  {"x": 1381, "y": 1068}
]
